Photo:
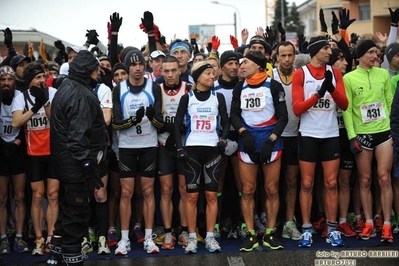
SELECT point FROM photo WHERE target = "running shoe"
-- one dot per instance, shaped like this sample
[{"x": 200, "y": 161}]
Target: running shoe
[
  {"x": 139, "y": 234},
  {"x": 378, "y": 223},
  {"x": 160, "y": 238},
  {"x": 386, "y": 234},
  {"x": 250, "y": 242},
  {"x": 243, "y": 231},
  {"x": 359, "y": 225},
  {"x": 5, "y": 246},
  {"x": 233, "y": 234},
  {"x": 290, "y": 231},
  {"x": 168, "y": 241},
  {"x": 87, "y": 247},
  {"x": 123, "y": 247},
  {"x": 271, "y": 240},
  {"x": 346, "y": 230},
  {"x": 212, "y": 245},
  {"x": 306, "y": 238},
  {"x": 191, "y": 246},
  {"x": 103, "y": 248},
  {"x": 334, "y": 238},
  {"x": 39, "y": 247},
  {"x": 112, "y": 239},
  {"x": 183, "y": 239},
  {"x": 92, "y": 238},
  {"x": 368, "y": 231},
  {"x": 47, "y": 246},
  {"x": 319, "y": 224},
  {"x": 20, "y": 245},
  {"x": 150, "y": 246}
]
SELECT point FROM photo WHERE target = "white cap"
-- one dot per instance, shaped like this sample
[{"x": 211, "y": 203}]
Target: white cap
[
  {"x": 156, "y": 54},
  {"x": 76, "y": 48},
  {"x": 64, "y": 69}
]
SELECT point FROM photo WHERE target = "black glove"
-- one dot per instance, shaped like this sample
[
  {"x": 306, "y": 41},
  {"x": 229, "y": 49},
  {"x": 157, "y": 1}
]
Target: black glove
[
  {"x": 322, "y": 21},
  {"x": 394, "y": 17},
  {"x": 248, "y": 142},
  {"x": 148, "y": 21},
  {"x": 266, "y": 151},
  {"x": 301, "y": 39},
  {"x": 355, "y": 146},
  {"x": 170, "y": 141},
  {"x": 328, "y": 81},
  {"x": 9, "y": 149},
  {"x": 169, "y": 127},
  {"x": 92, "y": 37},
  {"x": 354, "y": 38},
  {"x": 182, "y": 155},
  {"x": 92, "y": 179},
  {"x": 221, "y": 146},
  {"x": 7, "y": 37},
  {"x": 116, "y": 22},
  {"x": 150, "y": 112},
  {"x": 270, "y": 35},
  {"x": 322, "y": 90},
  {"x": 344, "y": 21},
  {"x": 334, "y": 23},
  {"x": 280, "y": 28},
  {"x": 139, "y": 116},
  {"x": 40, "y": 96},
  {"x": 59, "y": 45}
]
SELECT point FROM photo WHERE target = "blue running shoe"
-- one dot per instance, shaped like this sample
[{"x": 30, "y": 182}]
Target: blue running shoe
[
  {"x": 306, "y": 238},
  {"x": 334, "y": 238}
]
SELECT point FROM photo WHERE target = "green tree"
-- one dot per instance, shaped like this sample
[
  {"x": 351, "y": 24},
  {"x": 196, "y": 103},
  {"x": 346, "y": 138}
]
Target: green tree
[
  {"x": 293, "y": 22},
  {"x": 277, "y": 13}
]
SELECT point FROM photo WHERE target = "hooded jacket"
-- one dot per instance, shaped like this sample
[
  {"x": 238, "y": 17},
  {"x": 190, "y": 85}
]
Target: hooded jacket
[{"x": 77, "y": 123}]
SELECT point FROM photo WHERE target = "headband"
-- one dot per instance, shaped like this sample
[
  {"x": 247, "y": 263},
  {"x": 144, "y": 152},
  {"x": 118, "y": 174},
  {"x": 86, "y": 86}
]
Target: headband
[
  {"x": 180, "y": 46},
  {"x": 31, "y": 75},
  {"x": 197, "y": 73}
]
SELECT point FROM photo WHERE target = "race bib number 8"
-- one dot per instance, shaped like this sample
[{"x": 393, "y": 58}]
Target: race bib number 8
[{"x": 372, "y": 112}]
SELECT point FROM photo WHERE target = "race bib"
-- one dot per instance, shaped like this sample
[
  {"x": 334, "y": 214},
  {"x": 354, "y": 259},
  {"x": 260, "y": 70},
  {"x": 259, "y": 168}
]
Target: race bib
[
  {"x": 203, "y": 124},
  {"x": 323, "y": 104},
  {"x": 38, "y": 122},
  {"x": 372, "y": 112},
  {"x": 253, "y": 101}
]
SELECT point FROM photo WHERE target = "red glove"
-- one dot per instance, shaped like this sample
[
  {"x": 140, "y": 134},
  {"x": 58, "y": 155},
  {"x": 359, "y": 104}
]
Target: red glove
[
  {"x": 109, "y": 30},
  {"x": 234, "y": 41},
  {"x": 215, "y": 43},
  {"x": 155, "y": 31}
]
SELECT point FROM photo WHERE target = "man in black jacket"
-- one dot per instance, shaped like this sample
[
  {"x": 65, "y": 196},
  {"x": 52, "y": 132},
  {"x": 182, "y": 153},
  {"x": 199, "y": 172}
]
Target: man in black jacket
[{"x": 78, "y": 144}]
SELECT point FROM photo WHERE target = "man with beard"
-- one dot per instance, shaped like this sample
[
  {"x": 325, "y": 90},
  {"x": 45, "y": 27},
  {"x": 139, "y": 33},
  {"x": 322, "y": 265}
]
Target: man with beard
[
  {"x": 13, "y": 158},
  {"x": 78, "y": 145},
  {"x": 18, "y": 63}
]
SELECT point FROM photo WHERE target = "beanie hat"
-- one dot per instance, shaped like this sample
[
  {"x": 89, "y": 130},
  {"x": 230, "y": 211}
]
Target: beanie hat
[
  {"x": 7, "y": 71},
  {"x": 257, "y": 60},
  {"x": 31, "y": 72},
  {"x": 315, "y": 46},
  {"x": 103, "y": 57},
  {"x": 363, "y": 47},
  {"x": 16, "y": 60},
  {"x": 335, "y": 56},
  {"x": 118, "y": 66},
  {"x": 53, "y": 67},
  {"x": 197, "y": 73},
  {"x": 391, "y": 51},
  {"x": 125, "y": 50},
  {"x": 133, "y": 57},
  {"x": 260, "y": 40},
  {"x": 228, "y": 56}
]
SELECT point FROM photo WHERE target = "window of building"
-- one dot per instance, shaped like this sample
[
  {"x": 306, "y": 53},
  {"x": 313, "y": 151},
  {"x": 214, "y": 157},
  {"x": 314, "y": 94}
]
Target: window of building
[{"x": 364, "y": 12}]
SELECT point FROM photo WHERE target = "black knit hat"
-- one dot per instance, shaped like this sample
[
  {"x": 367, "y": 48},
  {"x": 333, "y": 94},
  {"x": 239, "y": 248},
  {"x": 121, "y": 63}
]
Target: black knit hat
[
  {"x": 228, "y": 56},
  {"x": 335, "y": 56},
  {"x": 363, "y": 46}
]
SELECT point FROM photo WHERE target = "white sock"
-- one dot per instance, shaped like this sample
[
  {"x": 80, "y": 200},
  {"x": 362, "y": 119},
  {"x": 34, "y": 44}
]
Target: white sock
[
  {"x": 342, "y": 220},
  {"x": 210, "y": 234},
  {"x": 125, "y": 234},
  {"x": 148, "y": 233},
  {"x": 193, "y": 235}
]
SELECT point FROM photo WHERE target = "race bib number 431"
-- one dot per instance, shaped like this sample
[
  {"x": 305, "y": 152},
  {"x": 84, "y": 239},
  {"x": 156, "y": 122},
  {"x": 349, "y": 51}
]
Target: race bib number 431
[{"x": 372, "y": 112}]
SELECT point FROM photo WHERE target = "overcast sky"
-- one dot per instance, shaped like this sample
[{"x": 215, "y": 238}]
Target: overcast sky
[{"x": 68, "y": 20}]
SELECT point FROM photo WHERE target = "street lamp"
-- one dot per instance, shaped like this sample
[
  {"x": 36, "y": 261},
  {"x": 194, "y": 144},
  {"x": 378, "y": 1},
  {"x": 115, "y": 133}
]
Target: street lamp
[{"x": 235, "y": 14}]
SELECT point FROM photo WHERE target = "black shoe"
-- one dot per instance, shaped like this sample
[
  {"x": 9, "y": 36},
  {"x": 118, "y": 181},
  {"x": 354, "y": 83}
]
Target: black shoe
[
  {"x": 271, "y": 241},
  {"x": 250, "y": 242}
]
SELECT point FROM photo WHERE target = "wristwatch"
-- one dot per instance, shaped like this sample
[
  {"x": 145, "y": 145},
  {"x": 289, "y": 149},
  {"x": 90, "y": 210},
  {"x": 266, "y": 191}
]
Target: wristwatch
[{"x": 46, "y": 104}]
